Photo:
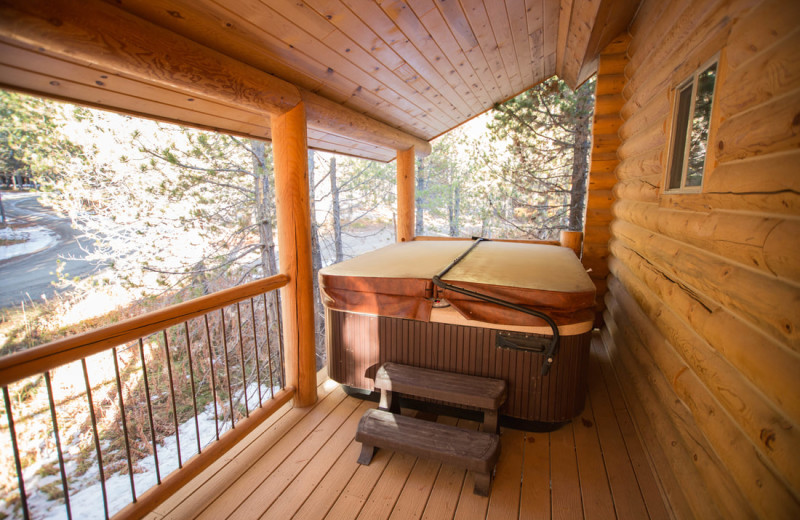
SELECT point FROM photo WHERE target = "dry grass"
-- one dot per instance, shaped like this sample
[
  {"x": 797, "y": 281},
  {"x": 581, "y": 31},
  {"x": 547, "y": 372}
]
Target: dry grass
[{"x": 30, "y": 402}]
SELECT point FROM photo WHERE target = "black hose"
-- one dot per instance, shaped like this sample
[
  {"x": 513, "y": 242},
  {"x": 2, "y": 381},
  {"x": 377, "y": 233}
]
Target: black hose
[{"x": 438, "y": 282}]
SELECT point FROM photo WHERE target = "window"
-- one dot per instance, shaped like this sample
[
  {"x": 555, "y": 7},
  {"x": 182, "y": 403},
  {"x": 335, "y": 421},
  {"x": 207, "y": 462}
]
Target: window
[{"x": 693, "y": 102}]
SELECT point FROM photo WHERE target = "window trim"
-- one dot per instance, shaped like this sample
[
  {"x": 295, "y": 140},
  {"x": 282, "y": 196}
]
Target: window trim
[{"x": 676, "y": 91}]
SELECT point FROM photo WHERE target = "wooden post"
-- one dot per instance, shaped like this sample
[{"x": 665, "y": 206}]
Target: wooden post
[
  {"x": 405, "y": 195},
  {"x": 572, "y": 240},
  {"x": 290, "y": 154}
]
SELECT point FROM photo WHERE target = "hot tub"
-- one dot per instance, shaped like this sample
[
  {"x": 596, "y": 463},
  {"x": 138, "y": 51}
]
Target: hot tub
[{"x": 388, "y": 305}]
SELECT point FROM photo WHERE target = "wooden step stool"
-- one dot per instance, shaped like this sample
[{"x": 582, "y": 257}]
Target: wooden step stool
[
  {"x": 462, "y": 390},
  {"x": 475, "y": 451}
]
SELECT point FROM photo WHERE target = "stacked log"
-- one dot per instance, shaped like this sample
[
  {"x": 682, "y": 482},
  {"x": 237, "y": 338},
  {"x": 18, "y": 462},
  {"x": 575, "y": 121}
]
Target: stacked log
[
  {"x": 703, "y": 303},
  {"x": 603, "y": 163}
]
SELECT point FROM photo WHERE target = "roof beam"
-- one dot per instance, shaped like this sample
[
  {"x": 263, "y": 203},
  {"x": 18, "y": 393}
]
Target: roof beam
[
  {"x": 101, "y": 34},
  {"x": 585, "y": 28}
]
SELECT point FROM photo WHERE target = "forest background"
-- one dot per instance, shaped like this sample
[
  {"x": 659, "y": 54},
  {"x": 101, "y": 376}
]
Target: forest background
[{"x": 172, "y": 213}]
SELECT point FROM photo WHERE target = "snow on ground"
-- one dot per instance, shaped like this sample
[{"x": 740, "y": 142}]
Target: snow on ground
[
  {"x": 33, "y": 239},
  {"x": 86, "y": 494},
  {"x": 85, "y": 491}
]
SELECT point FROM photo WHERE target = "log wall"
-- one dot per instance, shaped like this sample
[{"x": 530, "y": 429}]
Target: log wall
[
  {"x": 605, "y": 141},
  {"x": 703, "y": 302}
]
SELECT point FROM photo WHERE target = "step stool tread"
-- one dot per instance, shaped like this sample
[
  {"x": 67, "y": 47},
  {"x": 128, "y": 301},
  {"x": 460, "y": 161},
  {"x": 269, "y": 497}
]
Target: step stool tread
[
  {"x": 480, "y": 392},
  {"x": 472, "y": 450}
]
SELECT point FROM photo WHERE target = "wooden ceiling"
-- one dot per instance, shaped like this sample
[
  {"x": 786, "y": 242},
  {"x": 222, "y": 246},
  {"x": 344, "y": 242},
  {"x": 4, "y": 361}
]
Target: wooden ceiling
[{"x": 422, "y": 67}]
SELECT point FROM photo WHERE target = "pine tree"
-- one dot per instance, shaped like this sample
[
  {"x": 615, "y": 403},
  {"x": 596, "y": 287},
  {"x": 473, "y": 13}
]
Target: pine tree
[{"x": 547, "y": 132}]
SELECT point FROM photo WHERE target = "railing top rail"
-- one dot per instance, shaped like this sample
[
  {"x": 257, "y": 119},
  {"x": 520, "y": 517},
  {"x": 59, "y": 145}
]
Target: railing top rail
[
  {"x": 26, "y": 363},
  {"x": 432, "y": 238}
]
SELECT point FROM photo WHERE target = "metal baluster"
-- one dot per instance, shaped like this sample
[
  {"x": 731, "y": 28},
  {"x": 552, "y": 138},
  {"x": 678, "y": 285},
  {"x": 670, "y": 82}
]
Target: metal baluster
[
  {"x": 213, "y": 383},
  {"x": 255, "y": 348},
  {"x": 269, "y": 347},
  {"x": 64, "y": 484},
  {"x": 191, "y": 379},
  {"x": 280, "y": 337},
  {"x": 149, "y": 409},
  {"x": 227, "y": 366},
  {"x": 124, "y": 423},
  {"x": 172, "y": 398},
  {"x": 241, "y": 353},
  {"x": 96, "y": 436},
  {"x": 12, "y": 430}
]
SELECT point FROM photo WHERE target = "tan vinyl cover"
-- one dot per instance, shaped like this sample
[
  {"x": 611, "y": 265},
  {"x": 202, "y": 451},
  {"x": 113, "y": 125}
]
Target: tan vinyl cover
[{"x": 396, "y": 281}]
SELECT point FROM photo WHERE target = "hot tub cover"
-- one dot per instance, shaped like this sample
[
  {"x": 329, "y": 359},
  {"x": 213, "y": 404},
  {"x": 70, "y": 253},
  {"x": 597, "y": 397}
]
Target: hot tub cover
[{"x": 396, "y": 281}]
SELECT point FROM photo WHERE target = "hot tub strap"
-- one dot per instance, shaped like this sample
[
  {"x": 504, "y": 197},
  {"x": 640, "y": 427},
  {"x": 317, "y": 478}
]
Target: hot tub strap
[{"x": 550, "y": 353}]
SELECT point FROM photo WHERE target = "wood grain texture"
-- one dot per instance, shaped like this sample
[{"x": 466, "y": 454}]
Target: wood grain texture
[
  {"x": 277, "y": 484},
  {"x": 475, "y": 451},
  {"x": 33, "y": 361},
  {"x": 217, "y": 478},
  {"x": 683, "y": 264},
  {"x": 764, "y": 301},
  {"x": 261, "y": 466},
  {"x": 761, "y": 242},
  {"x": 767, "y": 428},
  {"x": 177, "y": 62},
  {"x": 396, "y": 69},
  {"x": 566, "y": 493},
  {"x": 640, "y": 459},
  {"x": 603, "y": 161},
  {"x": 405, "y": 195},
  {"x": 359, "y": 344},
  {"x": 505, "y": 498},
  {"x": 443, "y": 498},
  {"x": 305, "y": 454},
  {"x": 772, "y": 368},
  {"x": 481, "y": 392},
  {"x": 290, "y": 158},
  {"x": 758, "y": 482},
  {"x": 702, "y": 484}
]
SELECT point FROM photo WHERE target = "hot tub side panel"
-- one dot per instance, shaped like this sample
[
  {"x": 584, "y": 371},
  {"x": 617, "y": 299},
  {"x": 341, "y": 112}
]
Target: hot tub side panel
[{"x": 358, "y": 344}]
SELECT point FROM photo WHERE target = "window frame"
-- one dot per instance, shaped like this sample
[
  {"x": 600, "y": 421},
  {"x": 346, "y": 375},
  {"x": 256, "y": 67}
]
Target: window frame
[{"x": 691, "y": 81}]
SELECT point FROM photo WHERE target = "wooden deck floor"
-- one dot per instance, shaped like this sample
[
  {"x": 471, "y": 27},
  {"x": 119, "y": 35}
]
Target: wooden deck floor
[{"x": 302, "y": 464}]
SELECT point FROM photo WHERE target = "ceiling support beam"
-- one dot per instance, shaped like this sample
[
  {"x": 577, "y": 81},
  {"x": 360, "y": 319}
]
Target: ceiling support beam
[
  {"x": 290, "y": 155},
  {"x": 98, "y": 33},
  {"x": 405, "y": 195}
]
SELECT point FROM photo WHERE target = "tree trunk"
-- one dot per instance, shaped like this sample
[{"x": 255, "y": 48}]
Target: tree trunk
[
  {"x": 336, "y": 210},
  {"x": 580, "y": 160},
  {"x": 454, "y": 211},
  {"x": 316, "y": 265},
  {"x": 265, "y": 213},
  {"x": 420, "y": 224},
  {"x": 265, "y": 208}
]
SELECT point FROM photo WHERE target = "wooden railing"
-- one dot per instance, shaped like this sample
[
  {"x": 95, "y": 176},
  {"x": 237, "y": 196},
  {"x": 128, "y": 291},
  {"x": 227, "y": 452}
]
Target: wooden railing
[{"x": 218, "y": 347}]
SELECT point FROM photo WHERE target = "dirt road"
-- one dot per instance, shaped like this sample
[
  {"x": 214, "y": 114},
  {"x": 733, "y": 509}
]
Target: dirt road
[{"x": 31, "y": 275}]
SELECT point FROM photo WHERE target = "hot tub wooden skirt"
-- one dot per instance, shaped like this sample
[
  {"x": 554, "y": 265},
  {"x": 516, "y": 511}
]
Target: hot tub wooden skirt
[{"x": 359, "y": 344}]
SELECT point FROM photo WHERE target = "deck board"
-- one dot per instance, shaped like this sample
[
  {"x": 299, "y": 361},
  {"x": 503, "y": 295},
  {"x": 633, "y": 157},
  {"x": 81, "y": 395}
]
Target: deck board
[
  {"x": 443, "y": 498},
  {"x": 535, "y": 496},
  {"x": 641, "y": 466},
  {"x": 566, "y": 492},
  {"x": 270, "y": 461},
  {"x": 595, "y": 492},
  {"x": 470, "y": 505},
  {"x": 273, "y": 486},
  {"x": 628, "y": 499},
  {"x": 302, "y": 464},
  {"x": 505, "y": 493},
  {"x": 293, "y": 496}
]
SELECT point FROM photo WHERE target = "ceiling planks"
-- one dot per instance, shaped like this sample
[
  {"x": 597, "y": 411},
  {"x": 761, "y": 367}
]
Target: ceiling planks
[{"x": 420, "y": 66}]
